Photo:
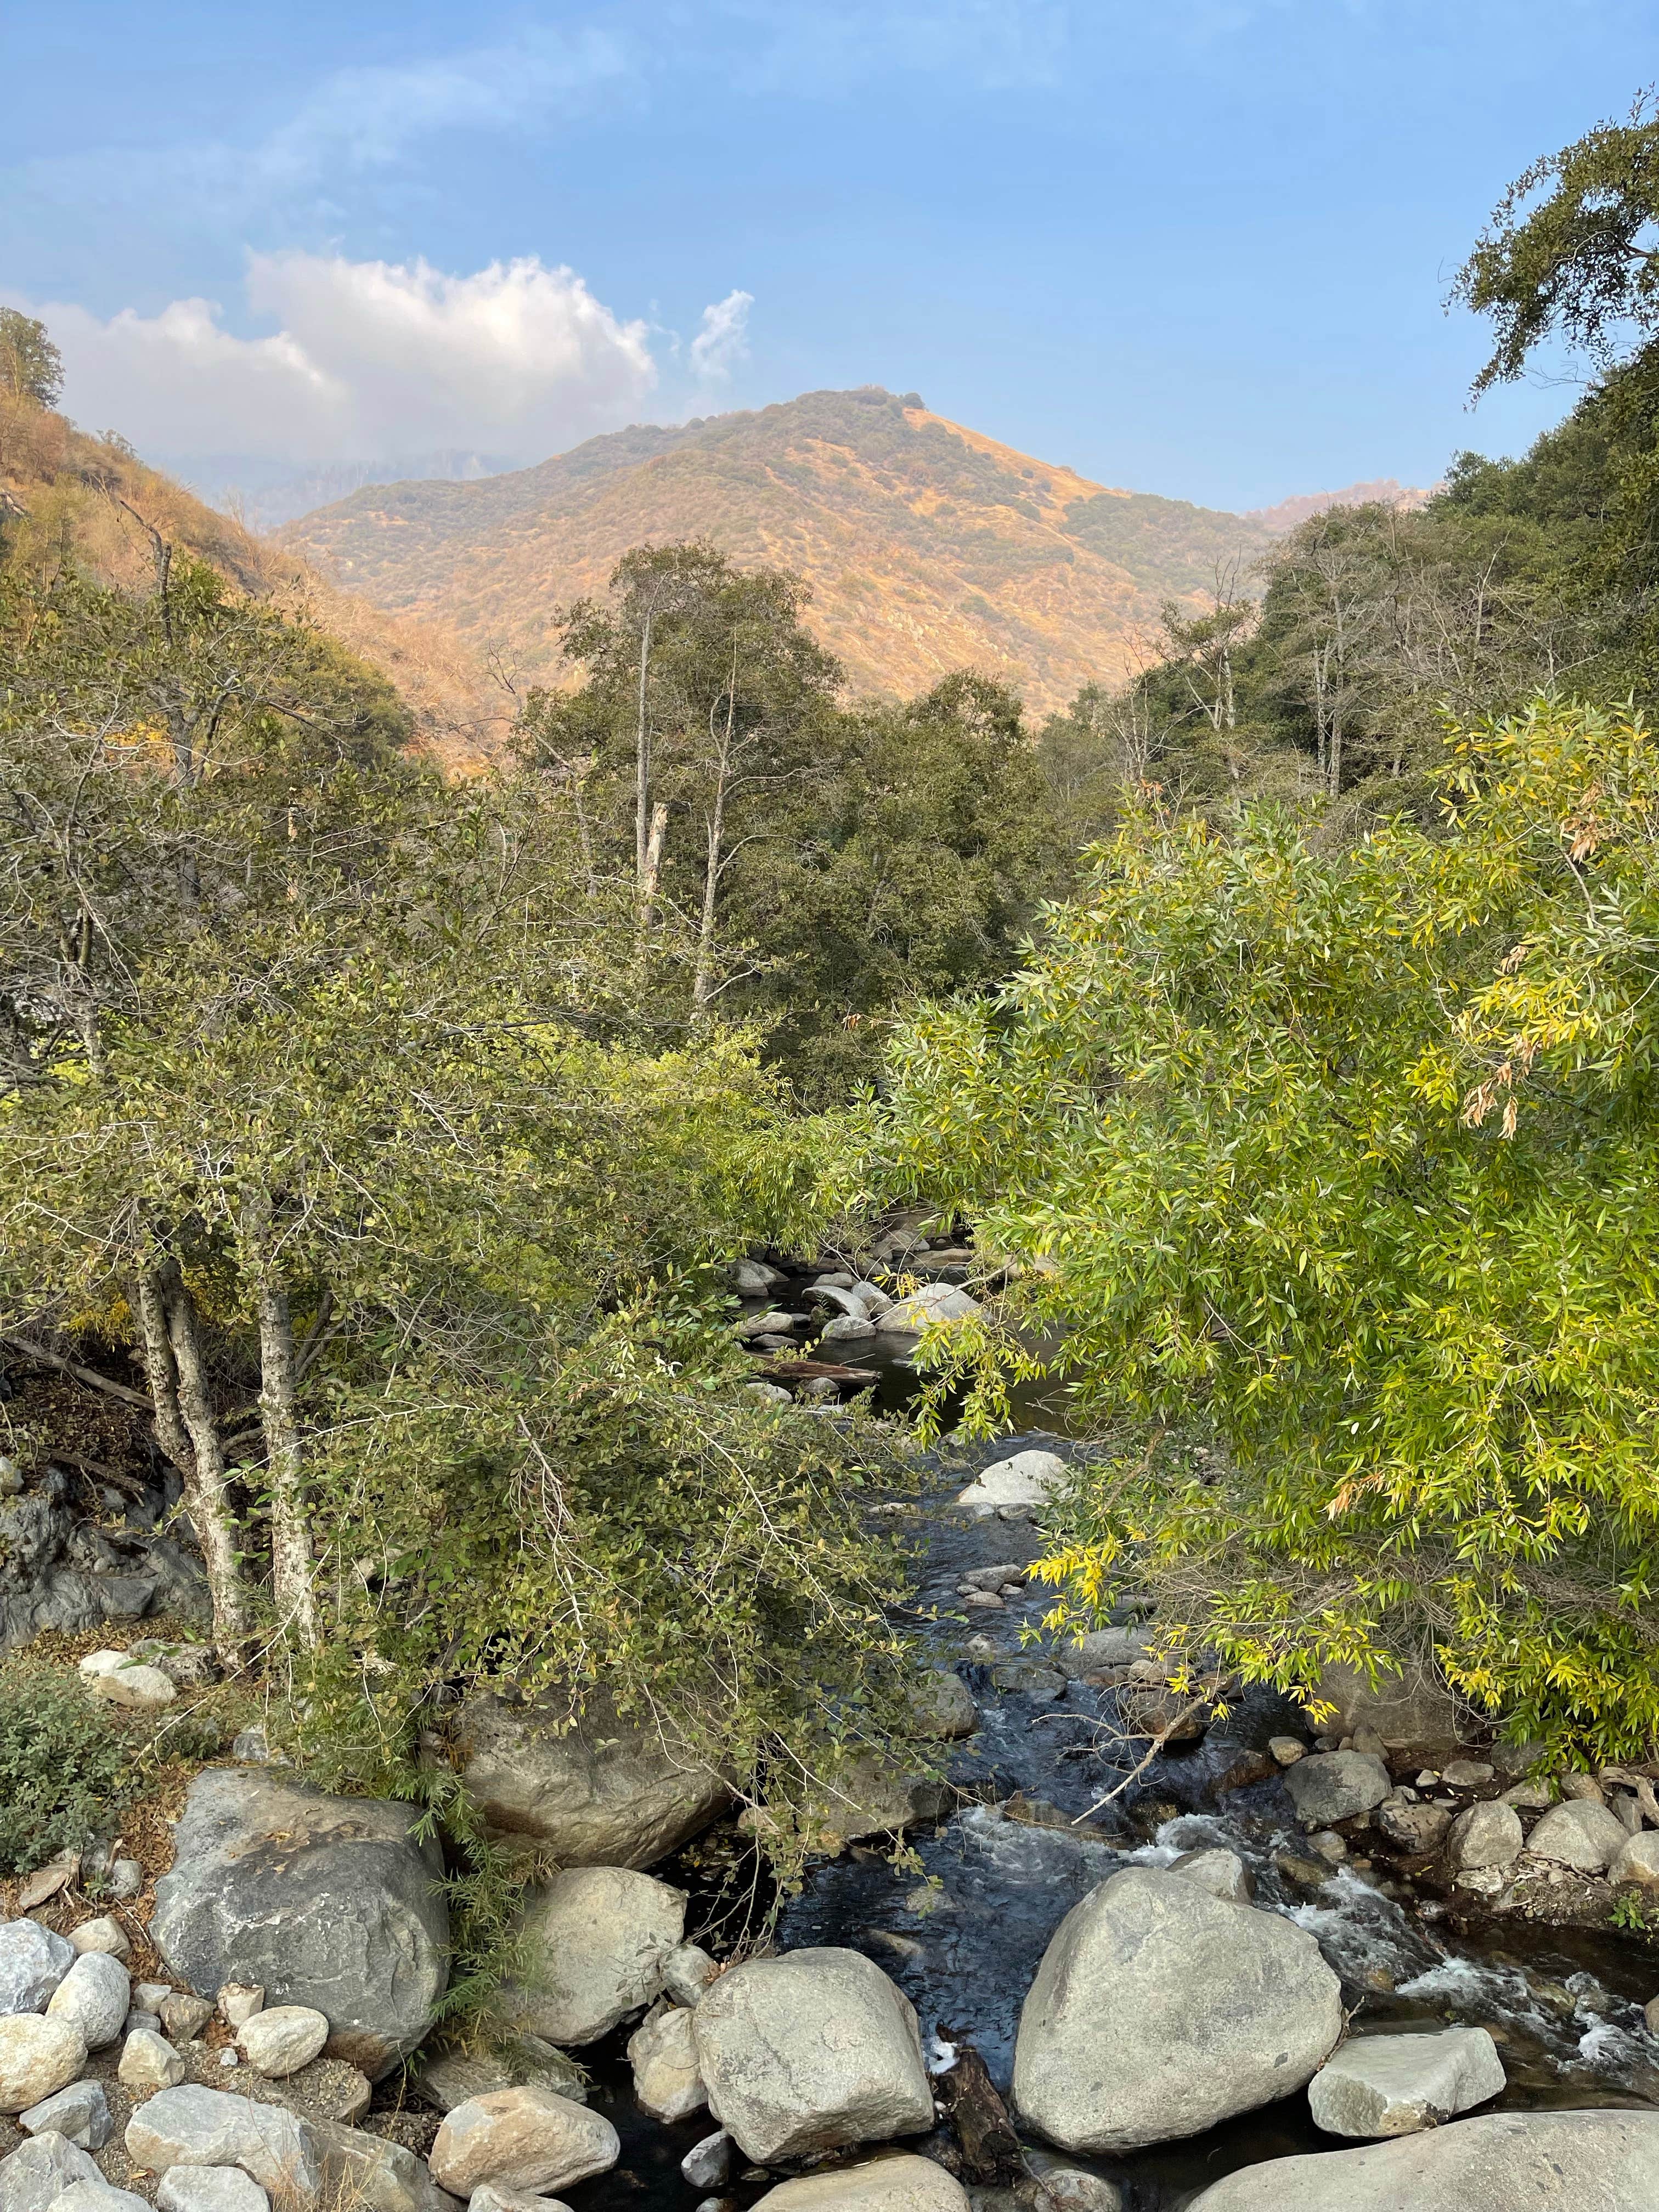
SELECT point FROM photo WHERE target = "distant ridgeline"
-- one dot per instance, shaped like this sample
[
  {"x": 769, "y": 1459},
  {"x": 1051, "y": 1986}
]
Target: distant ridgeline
[{"x": 927, "y": 546}]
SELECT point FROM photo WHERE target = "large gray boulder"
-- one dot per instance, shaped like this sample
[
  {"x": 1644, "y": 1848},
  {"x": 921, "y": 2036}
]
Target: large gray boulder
[
  {"x": 33, "y": 1960},
  {"x": 1596, "y": 2162},
  {"x": 41, "y": 2170},
  {"x": 902, "y": 2183},
  {"x": 607, "y": 1791},
  {"x": 525, "y": 2140},
  {"x": 810, "y": 2052},
  {"x": 593, "y": 1943},
  {"x": 1159, "y": 2009},
  {"x": 193, "y": 2126},
  {"x": 1580, "y": 1834},
  {"x": 1396, "y": 2085},
  {"x": 1335, "y": 1785},
  {"x": 329, "y": 1902},
  {"x": 1413, "y": 1707}
]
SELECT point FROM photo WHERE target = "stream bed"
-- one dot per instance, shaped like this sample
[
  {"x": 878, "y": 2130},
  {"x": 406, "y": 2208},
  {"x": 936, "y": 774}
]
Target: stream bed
[{"x": 961, "y": 1929}]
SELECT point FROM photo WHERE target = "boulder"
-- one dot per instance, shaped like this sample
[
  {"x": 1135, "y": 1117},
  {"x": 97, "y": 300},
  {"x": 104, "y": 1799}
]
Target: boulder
[
  {"x": 1587, "y": 2161},
  {"x": 97, "y": 2196},
  {"x": 1395, "y": 2085},
  {"x": 1335, "y": 1785},
  {"x": 847, "y": 1328},
  {"x": 183, "y": 2014},
  {"x": 326, "y": 1902},
  {"x": 143, "y": 1688},
  {"x": 1413, "y": 1707},
  {"x": 663, "y": 2052},
  {"x": 1102, "y": 1648},
  {"x": 371, "y": 2173},
  {"x": 870, "y": 1796},
  {"x": 38, "y": 2057},
  {"x": 282, "y": 2039},
  {"x": 812, "y": 2050},
  {"x": 707, "y": 2164},
  {"x": 755, "y": 1278},
  {"x": 209, "y": 2189},
  {"x": 901, "y": 2183},
  {"x": 80, "y": 2113},
  {"x": 1222, "y": 1872},
  {"x": 149, "y": 2063},
  {"x": 1639, "y": 1861},
  {"x": 686, "y": 1973},
  {"x": 1580, "y": 1834},
  {"x": 490, "y": 2198},
  {"x": 33, "y": 1961},
  {"x": 444, "y": 2079},
  {"x": 104, "y": 1934},
  {"x": 38, "y": 2173},
  {"x": 593, "y": 1942},
  {"x": 1486, "y": 1835},
  {"x": 1159, "y": 2009},
  {"x": 93, "y": 1996},
  {"x": 1070, "y": 2188},
  {"x": 192, "y": 2126},
  {"x": 521, "y": 2139},
  {"x": 609, "y": 1791},
  {"x": 1415, "y": 1828},
  {"x": 933, "y": 1302},
  {"x": 942, "y": 1706},
  {"x": 1024, "y": 1480}
]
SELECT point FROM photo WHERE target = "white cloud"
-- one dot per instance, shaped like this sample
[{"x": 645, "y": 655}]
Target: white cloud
[
  {"x": 722, "y": 339},
  {"x": 372, "y": 359}
]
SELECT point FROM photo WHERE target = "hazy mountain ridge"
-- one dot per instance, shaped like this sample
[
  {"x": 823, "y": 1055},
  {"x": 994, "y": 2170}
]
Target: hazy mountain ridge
[{"x": 927, "y": 546}]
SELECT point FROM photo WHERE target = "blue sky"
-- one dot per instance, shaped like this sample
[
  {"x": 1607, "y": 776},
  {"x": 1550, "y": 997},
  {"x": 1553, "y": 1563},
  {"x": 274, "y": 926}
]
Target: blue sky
[{"x": 1199, "y": 248}]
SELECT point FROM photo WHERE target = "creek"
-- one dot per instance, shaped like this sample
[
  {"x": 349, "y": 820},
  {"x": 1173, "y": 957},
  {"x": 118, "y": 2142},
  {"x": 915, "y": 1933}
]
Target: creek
[{"x": 962, "y": 1928}]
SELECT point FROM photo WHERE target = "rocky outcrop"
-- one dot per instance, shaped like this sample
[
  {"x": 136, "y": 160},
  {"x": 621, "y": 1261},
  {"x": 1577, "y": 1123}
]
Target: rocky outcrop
[
  {"x": 810, "y": 2052},
  {"x": 325, "y": 1902},
  {"x": 606, "y": 1791},
  {"x": 593, "y": 1943},
  {"x": 1159, "y": 2009},
  {"x": 1378, "y": 2085},
  {"x": 61, "y": 1569},
  {"x": 1596, "y": 2162},
  {"x": 901, "y": 2183}
]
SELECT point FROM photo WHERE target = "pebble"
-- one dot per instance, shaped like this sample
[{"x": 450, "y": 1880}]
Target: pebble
[{"x": 238, "y": 2002}]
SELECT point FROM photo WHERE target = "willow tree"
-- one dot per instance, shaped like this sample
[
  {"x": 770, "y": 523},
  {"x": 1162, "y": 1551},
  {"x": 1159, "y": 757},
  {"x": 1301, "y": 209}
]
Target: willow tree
[{"x": 1350, "y": 1160}]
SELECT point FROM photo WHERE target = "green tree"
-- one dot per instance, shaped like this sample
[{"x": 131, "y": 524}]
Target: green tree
[
  {"x": 1348, "y": 1154},
  {"x": 31, "y": 367}
]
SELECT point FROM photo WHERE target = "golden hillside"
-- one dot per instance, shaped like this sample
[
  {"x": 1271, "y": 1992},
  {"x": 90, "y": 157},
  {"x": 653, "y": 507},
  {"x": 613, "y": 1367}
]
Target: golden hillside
[
  {"x": 94, "y": 495},
  {"x": 927, "y": 547}
]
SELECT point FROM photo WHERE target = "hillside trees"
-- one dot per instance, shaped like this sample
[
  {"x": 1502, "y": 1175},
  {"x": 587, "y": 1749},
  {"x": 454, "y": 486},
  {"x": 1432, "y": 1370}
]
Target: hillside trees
[
  {"x": 1347, "y": 1155},
  {"x": 826, "y": 861},
  {"x": 353, "y": 1110},
  {"x": 31, "y": 367}
]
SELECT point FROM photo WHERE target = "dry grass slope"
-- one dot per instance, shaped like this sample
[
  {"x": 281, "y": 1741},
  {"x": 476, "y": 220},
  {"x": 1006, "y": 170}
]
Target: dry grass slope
[
  {"x": 927, "y": 547},
  {"x": 66, "y": 490}
]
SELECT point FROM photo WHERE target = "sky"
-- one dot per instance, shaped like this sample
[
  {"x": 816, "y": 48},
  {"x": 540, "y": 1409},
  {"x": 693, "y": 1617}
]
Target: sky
[{"x": 1199, "y": 248}]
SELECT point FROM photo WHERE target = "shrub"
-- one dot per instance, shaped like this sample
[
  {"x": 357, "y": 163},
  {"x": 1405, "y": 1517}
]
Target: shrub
[{"x": 63, "y": 1764}]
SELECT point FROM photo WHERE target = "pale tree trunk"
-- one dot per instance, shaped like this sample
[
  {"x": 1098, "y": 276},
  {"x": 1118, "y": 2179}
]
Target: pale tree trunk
[
  {"x": 703, "y": 988},
  {"x": 291, "y": 1581},
  {"x": 653, "y": 869},
  {"x": 186, "y": 1431},
  {"x": 642, "y": 815},
  {"x": 279, "y": 1414}
]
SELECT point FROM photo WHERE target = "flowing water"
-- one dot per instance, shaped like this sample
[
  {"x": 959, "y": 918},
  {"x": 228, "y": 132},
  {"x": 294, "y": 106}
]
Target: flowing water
[{"x": 963, "y": 1936}]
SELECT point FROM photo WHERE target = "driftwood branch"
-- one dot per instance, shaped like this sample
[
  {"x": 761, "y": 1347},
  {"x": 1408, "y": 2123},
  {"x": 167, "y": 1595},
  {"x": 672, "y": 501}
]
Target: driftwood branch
[{"x": 89, "y": 1376}]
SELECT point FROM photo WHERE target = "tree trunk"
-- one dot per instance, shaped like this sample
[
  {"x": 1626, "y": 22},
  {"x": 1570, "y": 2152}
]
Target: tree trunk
[
  {"x": 642, "y": 818},
  {"x": 186, "y": 1431},
  {"x": 653, "y": 869},
  {"x": 703, "y": 987},
  {"x": 279, "y": 1414}
]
